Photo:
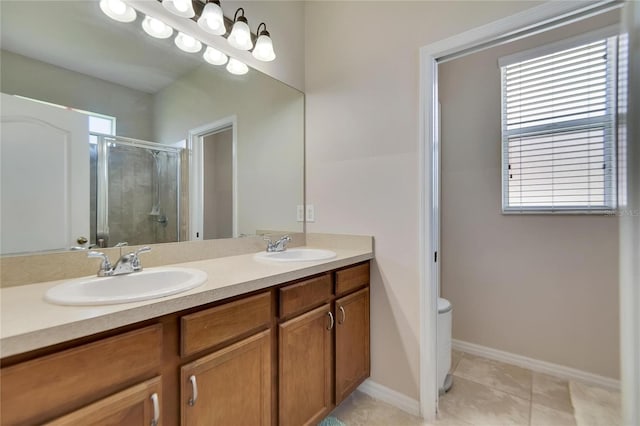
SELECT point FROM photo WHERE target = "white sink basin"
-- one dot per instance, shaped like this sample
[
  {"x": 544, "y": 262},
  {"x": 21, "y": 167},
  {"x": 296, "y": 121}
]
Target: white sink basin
[
  {"x": 148, "y": 284},
  {"x": 296, "y": 255}
]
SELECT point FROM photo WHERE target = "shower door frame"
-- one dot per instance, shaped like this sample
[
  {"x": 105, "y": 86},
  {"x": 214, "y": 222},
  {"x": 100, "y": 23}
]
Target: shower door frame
[{"x": 102, "y": 181}]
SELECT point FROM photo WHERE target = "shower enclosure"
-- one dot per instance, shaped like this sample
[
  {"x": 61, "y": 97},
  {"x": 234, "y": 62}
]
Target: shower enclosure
[{"x": 135, "y": 191}]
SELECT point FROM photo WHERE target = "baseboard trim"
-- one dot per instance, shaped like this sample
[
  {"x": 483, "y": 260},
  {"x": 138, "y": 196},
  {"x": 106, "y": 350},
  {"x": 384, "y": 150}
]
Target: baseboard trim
[
  {"x": 536, "y": 365},
  {"x": 390, "y": 396}
]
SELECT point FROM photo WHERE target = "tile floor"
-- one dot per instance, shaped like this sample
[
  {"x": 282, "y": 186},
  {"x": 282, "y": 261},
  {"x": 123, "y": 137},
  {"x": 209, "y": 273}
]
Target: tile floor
[{"x": 491, "y": 393}]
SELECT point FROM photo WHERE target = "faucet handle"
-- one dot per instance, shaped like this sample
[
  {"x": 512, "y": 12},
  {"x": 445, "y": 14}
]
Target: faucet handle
[
  {"x": 135, "y": 262},
  {"x": 145, "y": 249},
  {"x": 105, "y": 266}
]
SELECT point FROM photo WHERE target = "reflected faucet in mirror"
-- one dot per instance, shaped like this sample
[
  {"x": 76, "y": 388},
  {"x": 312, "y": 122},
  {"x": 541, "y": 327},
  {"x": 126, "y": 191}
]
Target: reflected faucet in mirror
[{"x": 277, "y": 245}]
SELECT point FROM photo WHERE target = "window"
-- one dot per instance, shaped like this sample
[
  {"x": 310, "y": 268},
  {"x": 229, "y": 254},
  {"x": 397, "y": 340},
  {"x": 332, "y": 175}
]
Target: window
[{"x": 558, "y": 129}]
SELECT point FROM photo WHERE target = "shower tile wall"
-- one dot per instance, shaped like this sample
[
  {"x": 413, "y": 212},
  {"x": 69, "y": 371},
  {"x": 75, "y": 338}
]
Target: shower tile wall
[{"x": 131, "y": 196}]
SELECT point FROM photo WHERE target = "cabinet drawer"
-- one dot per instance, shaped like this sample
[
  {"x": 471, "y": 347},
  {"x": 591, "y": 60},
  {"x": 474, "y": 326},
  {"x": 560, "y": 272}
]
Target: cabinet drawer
[
  {"x": 44, "y": 388},
  {"x": 214, "y": 326},
  {"x": 352, "y": 278},
  {"x": 304, "y": 295},
  {"x": 137, "y": 405}
]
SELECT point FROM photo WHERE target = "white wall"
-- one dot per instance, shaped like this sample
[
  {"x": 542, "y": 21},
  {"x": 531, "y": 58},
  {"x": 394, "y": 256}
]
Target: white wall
[
  {"x": 542, "y": 286},
  {"x": 362, "y": 144}
]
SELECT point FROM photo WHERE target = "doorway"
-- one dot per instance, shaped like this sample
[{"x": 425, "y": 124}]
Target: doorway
[
  {"x": 213, "y": 180},
  {"x": 536, "y": 20}
]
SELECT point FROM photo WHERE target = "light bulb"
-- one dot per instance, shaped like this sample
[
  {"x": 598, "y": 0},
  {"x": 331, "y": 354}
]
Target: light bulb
[
  {"x": 236, "y": 67},
  {"x": 240, "y": 36},
  {"x": 264, "y": 49},
  {"x": 117, "y": 6},
  {"x": 118, "y": 10},
  {"x": 214, "y": 56},
  {"x": 212, "y": 19},
  {"x": 187, "y": 43},
  {"x": 181, "y": 5},
  {"x": 182, "y": 8},
  {"x": 156, "y": 28}
]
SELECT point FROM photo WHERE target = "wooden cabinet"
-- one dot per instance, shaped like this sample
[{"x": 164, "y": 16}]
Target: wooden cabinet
[
  {"x": 231, "y": 386},
  {"x": 352, "y": 342},
  {"x": 283, "y": 356},
  {"x": 46, "y": 387},
  {"x": 134, "y": 406},
  {"x": 323, "y": 353},
  {"x": 305, "y": 367}
]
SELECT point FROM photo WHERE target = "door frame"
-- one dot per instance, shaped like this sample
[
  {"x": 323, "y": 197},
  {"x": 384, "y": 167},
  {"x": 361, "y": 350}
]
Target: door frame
[
  {"x": 196, "y": 174},
  {"x": 537, "y": 19}
]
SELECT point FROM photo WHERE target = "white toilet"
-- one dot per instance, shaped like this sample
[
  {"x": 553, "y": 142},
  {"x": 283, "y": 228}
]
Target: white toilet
[{"x": 445, "y": 310}]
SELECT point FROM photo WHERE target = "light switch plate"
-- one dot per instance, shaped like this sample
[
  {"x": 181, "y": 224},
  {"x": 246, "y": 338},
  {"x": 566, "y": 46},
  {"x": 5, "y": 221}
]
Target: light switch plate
[
  {"x": 311, "y": 213},
  {"x": 300, "y": 213}
]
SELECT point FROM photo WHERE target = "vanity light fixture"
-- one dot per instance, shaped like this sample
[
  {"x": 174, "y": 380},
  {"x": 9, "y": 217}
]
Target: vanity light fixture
[
  {"x": 264, "y": 46},
  {"x": 156, "y": 28},
  {"x": 236, "y": 67},
  {"x": 182, "y": 8},
  {"x": 187, "y": 43},
  {"x": 212, "y": 19},
  {"x": 240, "y": 36},
  {"x": 214, "y": 56},
  {"x": 118, "y": 10}
]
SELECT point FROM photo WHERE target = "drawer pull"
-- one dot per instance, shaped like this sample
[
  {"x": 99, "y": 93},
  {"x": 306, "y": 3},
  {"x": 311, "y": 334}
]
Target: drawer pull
[
  {"x": 331, "y": 321},
  {"x": 344, "y": 315},
  {"x": 156, "y": 409},
  {"x": 194, "y": 389}
]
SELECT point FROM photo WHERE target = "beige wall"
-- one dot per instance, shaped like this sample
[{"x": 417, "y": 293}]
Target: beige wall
[
  {"x": 362, "y": 148},
  {"x": 542, "y": 286},
  {"x": 39, "y": 80}
]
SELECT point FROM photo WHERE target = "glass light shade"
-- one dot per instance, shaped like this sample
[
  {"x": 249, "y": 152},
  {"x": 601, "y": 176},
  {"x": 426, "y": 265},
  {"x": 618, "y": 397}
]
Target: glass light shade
[
  {"x": 182, "y": 8},
  {"x": 264, "y": 49},
  {"x": 214, "y": 56},
  {"x": 240, "y": 36},
  {"x": 187, "y": 43},
  {"x": 118, "y": 10},
  {"x": 156, "y": 28},
  {"x": 212, "y": 19},
  {"x": 236, "y": 67}
]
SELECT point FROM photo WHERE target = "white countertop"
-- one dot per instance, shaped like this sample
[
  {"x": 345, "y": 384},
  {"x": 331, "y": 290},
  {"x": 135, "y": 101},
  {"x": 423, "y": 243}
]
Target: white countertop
[{"x": 28, "y": 322}]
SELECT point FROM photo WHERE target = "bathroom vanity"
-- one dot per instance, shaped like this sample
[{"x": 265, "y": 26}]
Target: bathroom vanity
[{"x": 269, "y": 351}]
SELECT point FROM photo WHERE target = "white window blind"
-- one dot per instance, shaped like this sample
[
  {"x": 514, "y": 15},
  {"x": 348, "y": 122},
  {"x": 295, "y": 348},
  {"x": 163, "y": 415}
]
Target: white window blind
[{"x": 558, "y": 130}]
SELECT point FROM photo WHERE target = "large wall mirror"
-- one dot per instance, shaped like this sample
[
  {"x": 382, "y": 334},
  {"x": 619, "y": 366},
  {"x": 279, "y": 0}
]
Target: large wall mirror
[{"x": 109, "y": 135}]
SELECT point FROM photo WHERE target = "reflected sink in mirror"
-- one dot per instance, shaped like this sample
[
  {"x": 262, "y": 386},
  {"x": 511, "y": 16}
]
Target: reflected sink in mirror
[
  {"x": 296, "y": 255},
  {"x": 148, "y": 284}
]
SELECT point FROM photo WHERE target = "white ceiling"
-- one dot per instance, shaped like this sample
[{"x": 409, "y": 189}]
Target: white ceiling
[{"x": 76, "y": 35}]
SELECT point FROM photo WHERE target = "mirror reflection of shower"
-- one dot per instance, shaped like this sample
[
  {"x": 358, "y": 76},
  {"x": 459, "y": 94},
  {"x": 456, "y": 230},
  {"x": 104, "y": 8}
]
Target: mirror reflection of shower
[
  {"x": 135, "y": 191},
  {"x": 156, "y": 212}
]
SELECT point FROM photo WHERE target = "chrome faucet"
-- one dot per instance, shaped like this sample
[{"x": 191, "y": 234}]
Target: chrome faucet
[
  {"x": 127, "y": 264},
  {"x": 277, "y": 245}
]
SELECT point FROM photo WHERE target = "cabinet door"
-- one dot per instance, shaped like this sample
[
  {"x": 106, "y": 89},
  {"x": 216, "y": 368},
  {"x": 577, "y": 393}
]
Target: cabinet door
[
  {"x": 305, "y": 376},
  {"x": 138, "y": 405},
  {"x": 352, "y": 342},
  {"x": 229, "y": 387}
]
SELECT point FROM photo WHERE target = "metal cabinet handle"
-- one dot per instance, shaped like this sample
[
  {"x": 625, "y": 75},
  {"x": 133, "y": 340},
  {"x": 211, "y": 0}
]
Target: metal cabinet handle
[
  {"x": 332, "y": 322},
  {"x": 344, "y": 315},
  {"x": 156, "y": 409},
  {"x": 194, "y": 390}
]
